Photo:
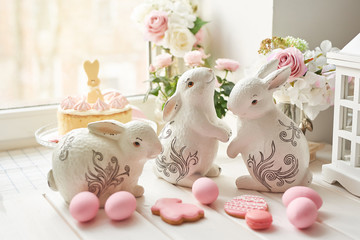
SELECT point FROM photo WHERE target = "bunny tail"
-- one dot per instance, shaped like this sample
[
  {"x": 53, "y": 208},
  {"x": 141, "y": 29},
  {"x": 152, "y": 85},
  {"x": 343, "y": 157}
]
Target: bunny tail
[{"x": 51, "y": 181}]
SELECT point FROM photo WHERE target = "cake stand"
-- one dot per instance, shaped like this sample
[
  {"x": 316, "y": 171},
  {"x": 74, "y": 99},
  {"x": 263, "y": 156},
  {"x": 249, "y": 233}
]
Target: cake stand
[{"x": 48, "y": 135}]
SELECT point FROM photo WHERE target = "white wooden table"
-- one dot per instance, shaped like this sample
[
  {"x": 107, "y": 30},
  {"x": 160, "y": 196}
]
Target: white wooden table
[{"x": 42, "y": 214}]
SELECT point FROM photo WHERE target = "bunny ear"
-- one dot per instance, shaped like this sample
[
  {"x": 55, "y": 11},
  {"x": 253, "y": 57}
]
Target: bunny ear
[
  {"x": 95, "y": 67},
  {"x": 87, "y": 65},
  {"x": 268, "y": 68},
  {"x": 278, "y": 77},
  {"x": 172, "y": 106},
  {"x": 91, "y": 69},
  {"x": 107, "y": 128}
]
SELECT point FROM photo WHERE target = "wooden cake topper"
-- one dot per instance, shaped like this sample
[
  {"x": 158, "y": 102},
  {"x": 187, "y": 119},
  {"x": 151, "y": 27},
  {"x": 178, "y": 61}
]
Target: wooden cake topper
[{"x": 92, "y": 71}]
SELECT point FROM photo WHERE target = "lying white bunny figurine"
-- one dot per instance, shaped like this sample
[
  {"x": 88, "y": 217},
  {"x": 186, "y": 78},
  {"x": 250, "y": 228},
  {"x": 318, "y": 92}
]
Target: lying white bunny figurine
[
  {"x": 104, "y": 158},
  {"x": 190, "y": 137},
  {"x": 275, "y": 151}
]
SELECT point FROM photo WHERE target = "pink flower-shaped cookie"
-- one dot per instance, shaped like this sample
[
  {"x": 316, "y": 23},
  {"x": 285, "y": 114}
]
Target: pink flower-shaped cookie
[{"x": 173, "y": 211}]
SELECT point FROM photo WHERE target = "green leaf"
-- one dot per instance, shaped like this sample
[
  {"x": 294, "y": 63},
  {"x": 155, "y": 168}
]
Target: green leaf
[
  {"x": 318, "y": 72},
  {"x": 175, "y": 80},
  {"x": 227, "y": 87},
  {"x": 220, "y": 104},
  {"x": 164, "y": 80},
  {"x": 197, "y": 25},
  {"x": 206, "y": 61},
  {"x": 169, "y": 90},
  {"x": 219, "y": 79},
  {"x": 155, "y": 91},
  {"x": 155, "y": 80}
]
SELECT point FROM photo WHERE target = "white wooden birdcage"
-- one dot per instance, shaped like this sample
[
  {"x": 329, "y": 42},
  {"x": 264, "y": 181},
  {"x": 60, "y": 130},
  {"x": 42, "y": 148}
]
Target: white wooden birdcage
[{"x": 345, "y": 164}]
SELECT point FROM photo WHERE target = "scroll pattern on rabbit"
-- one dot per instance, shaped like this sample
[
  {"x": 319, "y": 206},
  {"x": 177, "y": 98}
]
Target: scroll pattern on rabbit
[
  {"x": 263, "y": 170},
  {"x": 65, "y": 147},
  {"x": 101, "y": 178},
  {"x": 179, "y": 164},
  {"x": 295, "y": 133}
]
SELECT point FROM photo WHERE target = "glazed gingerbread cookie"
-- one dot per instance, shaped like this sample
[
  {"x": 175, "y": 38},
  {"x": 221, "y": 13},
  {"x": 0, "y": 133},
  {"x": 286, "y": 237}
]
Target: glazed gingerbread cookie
[
  {"x": 174, "y": 212},
  {"x": 239, "y": 206}
]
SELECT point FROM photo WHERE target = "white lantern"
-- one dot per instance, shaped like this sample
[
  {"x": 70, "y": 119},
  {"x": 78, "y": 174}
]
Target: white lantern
[{"x": 345, "y": 165}]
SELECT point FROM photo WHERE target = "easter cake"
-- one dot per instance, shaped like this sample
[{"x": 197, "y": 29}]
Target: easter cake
[{"x": 77, "y": 112}]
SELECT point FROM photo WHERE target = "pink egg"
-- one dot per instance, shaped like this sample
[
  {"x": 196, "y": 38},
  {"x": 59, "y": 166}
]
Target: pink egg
[
  {"x": 120, "y": 205},
  {"x": 302, "y": 212},
  {"x": 301, "y": 191},
  {"x": 205, "y": 190},
  {"x": 84, "y": 206}
]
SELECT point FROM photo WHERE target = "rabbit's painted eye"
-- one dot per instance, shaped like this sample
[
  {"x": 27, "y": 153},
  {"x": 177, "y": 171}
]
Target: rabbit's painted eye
[
  {"x": 136, "y": 144},
  {"x": 254, "y": 102},
  {"x": 190, "y": 84}
]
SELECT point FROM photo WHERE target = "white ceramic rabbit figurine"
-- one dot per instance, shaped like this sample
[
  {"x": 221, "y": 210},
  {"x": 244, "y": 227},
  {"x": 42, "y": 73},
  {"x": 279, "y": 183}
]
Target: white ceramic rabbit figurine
[
  {"x": 190, "y": 137},
  {"x": 274, "y": 149},
  {"x": 104, "y": 158}
]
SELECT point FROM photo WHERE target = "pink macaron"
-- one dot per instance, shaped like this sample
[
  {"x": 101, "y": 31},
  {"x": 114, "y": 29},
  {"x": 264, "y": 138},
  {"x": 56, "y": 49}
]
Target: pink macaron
[
  {"x": 258, "y": 219},
  {"x": 84, "y": 206},
  {"x": 302, "y": 212},
  {"x": 205, "y": 190},
  {"x": 301, "y": 191}
]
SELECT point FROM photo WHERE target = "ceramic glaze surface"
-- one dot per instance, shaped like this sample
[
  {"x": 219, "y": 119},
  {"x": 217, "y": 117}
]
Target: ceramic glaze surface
[
  {"x": 274, "y": 149},
  {"x": 190, "y": 137},
  {"x": 104, "y": 158}
]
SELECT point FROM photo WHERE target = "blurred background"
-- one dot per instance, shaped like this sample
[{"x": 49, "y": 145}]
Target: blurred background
[
  {"x": 43, "y": 43},
  {"x": 238, "y": 27}
]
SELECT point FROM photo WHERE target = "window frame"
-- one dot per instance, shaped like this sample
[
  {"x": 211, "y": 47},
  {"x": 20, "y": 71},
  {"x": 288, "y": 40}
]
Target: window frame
[{"x": 18, "y": 125}]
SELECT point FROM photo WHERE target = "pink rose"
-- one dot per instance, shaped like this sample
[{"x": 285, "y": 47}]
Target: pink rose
[
  {"x": 195, "y": 58},
  {"x": 156, "y": 24},
  {"x": 292, "y": 57},
  {"x": 163, "y": 60},
  {"x": 199, "y": 37},
  {"x": 203, "y": 53},
  {"x": 152, "y": 68},
  {"x": 226, "y": 64}
]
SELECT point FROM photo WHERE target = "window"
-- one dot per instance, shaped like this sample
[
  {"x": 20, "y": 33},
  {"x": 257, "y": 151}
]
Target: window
[{"x": 43, "y": 44}]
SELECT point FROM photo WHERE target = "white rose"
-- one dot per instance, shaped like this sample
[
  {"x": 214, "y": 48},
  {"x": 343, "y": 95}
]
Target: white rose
[
  {"x": 281, "y": 95},
  {"x": 139, "y": 13},
  {"x": 182, "y": 14},
  {"x": 179, "y": 40},
  {"x": 186, "y": 20}
]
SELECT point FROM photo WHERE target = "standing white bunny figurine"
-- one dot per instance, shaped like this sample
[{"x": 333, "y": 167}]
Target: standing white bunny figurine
[
  {"x": 275, "y": 151},
  {"x": 190, "y": 137}
]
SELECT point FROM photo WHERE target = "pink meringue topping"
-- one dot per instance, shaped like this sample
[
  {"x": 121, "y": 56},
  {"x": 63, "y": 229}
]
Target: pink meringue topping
[
  {"x": 110, "y": 95},
  {"x": 118, "y": 102},
  {"x": 67, "y": 103},
  {"x": 100, "y": 105},
  {"x": 82, "y": 106}
]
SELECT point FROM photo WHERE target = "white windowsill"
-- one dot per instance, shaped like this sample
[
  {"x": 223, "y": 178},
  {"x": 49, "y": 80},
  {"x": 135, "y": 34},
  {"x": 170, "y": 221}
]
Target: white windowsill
[{"x": 18, "y": 126}]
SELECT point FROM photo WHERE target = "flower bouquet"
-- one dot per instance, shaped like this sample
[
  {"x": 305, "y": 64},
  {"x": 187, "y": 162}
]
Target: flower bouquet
[
  {"x": 310, "y": 86},
  {"x": 175, "y": 28}
]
